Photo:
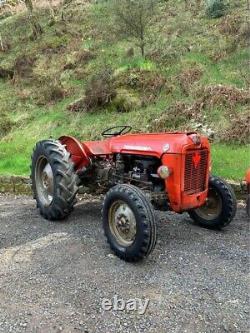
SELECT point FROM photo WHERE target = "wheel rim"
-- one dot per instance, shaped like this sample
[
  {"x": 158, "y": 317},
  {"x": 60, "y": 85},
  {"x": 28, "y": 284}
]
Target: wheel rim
[
  {"x": 213, "y": 206},
  {"x": 44, "y": 181},
  {"x": 122, "y": 223}
]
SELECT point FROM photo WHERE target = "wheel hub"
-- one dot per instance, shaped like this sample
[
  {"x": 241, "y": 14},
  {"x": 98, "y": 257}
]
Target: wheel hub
[
  {"x": 122, "y": 223},
  {"x": 44, "y": 181},
  {"x": 47, "y": 177},
  {"x": 213, "y": 206}
]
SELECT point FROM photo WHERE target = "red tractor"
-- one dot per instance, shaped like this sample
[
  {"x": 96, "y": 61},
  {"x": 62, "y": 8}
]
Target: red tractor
[{"x": 139, "y": 172}]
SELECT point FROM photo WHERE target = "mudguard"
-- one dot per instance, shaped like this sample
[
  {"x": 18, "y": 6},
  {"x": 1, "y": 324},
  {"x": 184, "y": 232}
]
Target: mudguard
[{"x": 79, "y": 155}]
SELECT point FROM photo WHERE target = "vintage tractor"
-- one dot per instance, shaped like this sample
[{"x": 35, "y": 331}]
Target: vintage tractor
[{"x": 139, "y": 172}]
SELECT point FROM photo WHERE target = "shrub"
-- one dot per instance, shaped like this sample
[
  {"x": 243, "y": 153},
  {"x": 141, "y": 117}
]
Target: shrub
[
  {"x": 23, "y": 66},
  {"x": 79, "y": 60},
  {"x": 100, "y": 90},
  {"x": 178, "y": 117},
  {"x": 4, "y": 44},
  {"x": 77, "y": 106},
  {"x": 244, "y": 33},
  {"x": 5, "y": 125},
  {"x": 12, "y": 2},
  {"x": 5, "y": 14},
  {"x": 188, "y": 77},
  {"x": 149, "y": 84},
  {"x": 126, "y": 101},
  {"x": 216, "y": 8},
  {"x": 238, "y": 130},
  {"x": 6, "y": 73},
  {"x": 84, "y": 56},
  {"x": 231, "y": 25},
  {"x": 51, "y": 91},
  {"x": 223, "y": 96}
]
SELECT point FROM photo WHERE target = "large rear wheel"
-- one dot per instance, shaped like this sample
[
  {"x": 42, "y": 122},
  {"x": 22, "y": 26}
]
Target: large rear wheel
[
  {"x": 220, "y": 207},
  {"x": 53, "y": 180},
  {"x": 129, "y": 222},
  {"x": 248, "y": 205}
]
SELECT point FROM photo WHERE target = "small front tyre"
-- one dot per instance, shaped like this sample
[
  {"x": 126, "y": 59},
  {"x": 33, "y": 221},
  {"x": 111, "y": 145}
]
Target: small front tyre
[
  {"x": 220, "y": 207},
  {"x": 129, "y": 223}
]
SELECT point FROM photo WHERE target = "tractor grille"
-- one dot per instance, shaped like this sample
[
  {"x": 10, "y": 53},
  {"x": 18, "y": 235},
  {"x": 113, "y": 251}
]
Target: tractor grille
[{"x": 196, "y": 164}]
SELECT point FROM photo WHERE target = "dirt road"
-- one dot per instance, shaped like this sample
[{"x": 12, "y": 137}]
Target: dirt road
[{"x": 54, "y": 276}]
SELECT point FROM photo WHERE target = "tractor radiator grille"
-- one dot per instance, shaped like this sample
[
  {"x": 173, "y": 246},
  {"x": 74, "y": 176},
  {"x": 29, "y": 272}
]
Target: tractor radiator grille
[{"x": 196, "y": 165}]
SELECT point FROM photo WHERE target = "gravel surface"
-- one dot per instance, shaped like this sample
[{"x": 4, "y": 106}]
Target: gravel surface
[{"x": 54, "y": 276}]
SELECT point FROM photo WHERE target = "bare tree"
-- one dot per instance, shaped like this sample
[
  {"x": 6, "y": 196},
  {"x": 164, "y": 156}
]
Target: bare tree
[
  {"x": 36, "y": 27},
  {"x": 64, "y": 5},
  {"x": 52, "y": 12},
  {"x": 133, "y": 19}
]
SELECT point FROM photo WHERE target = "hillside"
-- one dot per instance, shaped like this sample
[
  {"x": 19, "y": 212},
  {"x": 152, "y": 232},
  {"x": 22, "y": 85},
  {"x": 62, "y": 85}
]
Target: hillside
[{"x": 79, "y": 77}]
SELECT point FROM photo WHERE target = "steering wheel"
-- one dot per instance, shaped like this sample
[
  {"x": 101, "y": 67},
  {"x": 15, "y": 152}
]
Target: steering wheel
[{"x": 116, "y": 130}]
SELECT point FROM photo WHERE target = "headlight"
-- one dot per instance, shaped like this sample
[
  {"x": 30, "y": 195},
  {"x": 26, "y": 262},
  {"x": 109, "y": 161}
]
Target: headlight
[{"x": 164, "y": 171}]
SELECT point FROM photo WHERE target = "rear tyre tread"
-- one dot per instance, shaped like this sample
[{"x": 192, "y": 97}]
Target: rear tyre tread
[{"x": 65, "y": 179}]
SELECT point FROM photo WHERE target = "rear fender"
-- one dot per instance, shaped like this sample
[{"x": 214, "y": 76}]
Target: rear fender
[{"x": 78, "y": 154}]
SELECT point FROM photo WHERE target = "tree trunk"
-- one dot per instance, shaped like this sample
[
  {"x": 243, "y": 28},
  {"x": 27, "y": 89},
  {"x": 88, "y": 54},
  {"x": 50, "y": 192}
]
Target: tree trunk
[
  {"x": 29, "y": 5},
  {"x": 1, "y": 43},
  {"x": 142, "y": 37},
  {"x": 52, "y": 13},
  {"x": 65, "y": 5},
  {"x": 36, "y": 27},
  {"x": 142, "y": 47}
]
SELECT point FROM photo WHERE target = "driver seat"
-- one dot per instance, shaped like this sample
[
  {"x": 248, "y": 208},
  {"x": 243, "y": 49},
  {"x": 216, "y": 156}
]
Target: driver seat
[{"x": 97, "y": 147}]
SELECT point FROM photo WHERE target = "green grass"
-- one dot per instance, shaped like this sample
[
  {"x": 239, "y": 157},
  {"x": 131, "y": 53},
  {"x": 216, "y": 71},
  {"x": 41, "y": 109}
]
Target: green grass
[
  {"x": 230, "y": 161},
  {"x": 33, "y": 122},
  {"x": 16, "y": 148}
]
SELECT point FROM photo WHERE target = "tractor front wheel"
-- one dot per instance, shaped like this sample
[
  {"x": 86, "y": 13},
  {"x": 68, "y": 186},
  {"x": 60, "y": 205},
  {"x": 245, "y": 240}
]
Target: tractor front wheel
[
  {"x": 220, "y": 207},
  {"x": 129, "y": 222},
  {"x": 54, "y": 182}
]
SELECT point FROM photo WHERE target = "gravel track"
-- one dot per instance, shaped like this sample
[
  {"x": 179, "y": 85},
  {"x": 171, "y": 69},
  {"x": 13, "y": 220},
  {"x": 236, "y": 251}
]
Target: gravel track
[{"x": 54, "y": 276}]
